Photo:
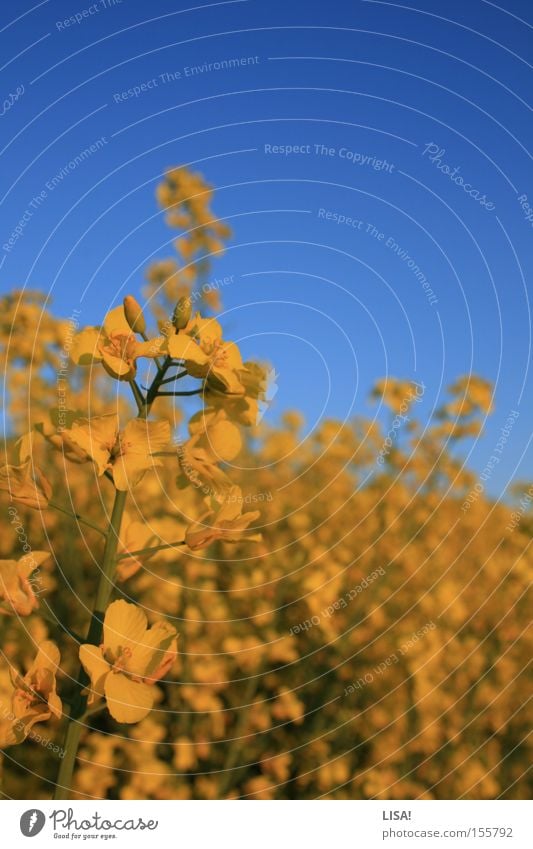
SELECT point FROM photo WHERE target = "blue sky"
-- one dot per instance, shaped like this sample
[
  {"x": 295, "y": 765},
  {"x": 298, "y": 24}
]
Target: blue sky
[{"x": 338, "y": 145}]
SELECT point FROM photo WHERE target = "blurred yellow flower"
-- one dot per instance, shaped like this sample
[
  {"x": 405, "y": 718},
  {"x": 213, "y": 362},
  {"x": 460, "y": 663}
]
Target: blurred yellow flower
[
  {"x": 229, "y": 524},
  {"x": 26, "y": 485},
  {"x": 16, "y": 590},
  {"x": 33, "y": 697},
  {"x": 130, "y": 660}
]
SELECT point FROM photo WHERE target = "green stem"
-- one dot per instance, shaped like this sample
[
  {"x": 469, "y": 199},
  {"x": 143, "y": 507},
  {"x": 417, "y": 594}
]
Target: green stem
[
  {"x": 180, "y": 394},
  {"x": 77, "y": 516},
  {"x": 178, "y": 376},
  {"x": 149, "y": 550},
  {"x": 156, "y": 360},
  {"x": 94, "y": 634},
  {"x": 103, "y": 593},
  {"x": 156, "y": 383},
  {"x": 48, "y": 616},
  {"x": 137, "y": 394},
  {"x": 230, "y": 771}
]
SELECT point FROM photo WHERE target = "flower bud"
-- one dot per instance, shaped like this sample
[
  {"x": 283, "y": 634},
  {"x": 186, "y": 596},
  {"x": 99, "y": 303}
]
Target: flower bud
[
  {"x": 134, "y": 314},
  {"x": 182, "y": 313}
]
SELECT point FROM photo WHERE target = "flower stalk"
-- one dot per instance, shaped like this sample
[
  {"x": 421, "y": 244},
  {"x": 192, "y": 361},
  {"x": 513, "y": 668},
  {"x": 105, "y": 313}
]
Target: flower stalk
[{"x": 79, "y": 704}]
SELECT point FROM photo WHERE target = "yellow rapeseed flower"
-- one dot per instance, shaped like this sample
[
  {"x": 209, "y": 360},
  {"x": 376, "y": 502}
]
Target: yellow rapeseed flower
[
  {"x": 130, "y": 660},
  {"x": 127, "y": 454},
  {"x": 114, "y": 345},
  {"x": 26, "y": 485},
  {"x": 33, "y": 697},
  {"x": 205, "y": 355},
  {"x": 16, "y": 590},
  {"x": 229, "y": 524}
]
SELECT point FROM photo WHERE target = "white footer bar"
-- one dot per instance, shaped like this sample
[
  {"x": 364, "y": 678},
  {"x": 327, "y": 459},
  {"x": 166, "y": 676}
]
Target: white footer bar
[{"x": 269, "y": 825}]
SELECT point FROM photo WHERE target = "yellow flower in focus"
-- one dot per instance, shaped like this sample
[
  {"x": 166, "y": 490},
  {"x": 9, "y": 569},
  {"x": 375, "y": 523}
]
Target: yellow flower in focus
[
  {"x": 128, "y": 663},
  {"x": 33, "y": 697},
  {"x": 205, "y": 355},
  {"x": 114, "y": 345},
  {"x": 229, "y": 525},
  {"x": 127, "y": 454},
  {"x": 26, "y": 485},
  {"x": 16, "y": 590}
]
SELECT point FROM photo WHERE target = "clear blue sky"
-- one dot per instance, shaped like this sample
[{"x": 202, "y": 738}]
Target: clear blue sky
[{"x": 362, "y": 89}]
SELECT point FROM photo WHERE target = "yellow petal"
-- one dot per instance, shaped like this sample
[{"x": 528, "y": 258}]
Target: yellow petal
[
  {"x": 224, "y": 440},
  {"x": 182, "y": 347},
  {"x": 127, "y": 700},
  {"x": 25, "y": 446},
  {"x": 149, "y": 653},
  {"x": 29, "y": 562},
  {"x": 9, "y": 578},
  {"x": 115, "y": 321},
  {"x": 96, "y": 437},
  {"x": 117, "y": 367},
  {"x": 199, "y": 536},
  {"x": 26, "y": 484},
  {"x": 139, "y": 441},
  {"x": 124, "y": 624},
  {"x": 47, "y": 657},
  {"x": 151, "y": 348},
  {"x": 84, "y": 349},
  {"x": 145, "y": 438},
  {"x": 208, "y": 330},
  {"x": 129, "y": 470},
  {"x": 231, "y": 507},
  {"x": 201, "y": 420},
  {"x": 233, "y": 355},
  {"x": 97, "y": 669}
]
